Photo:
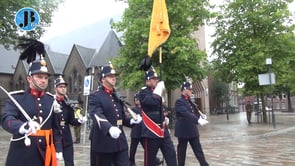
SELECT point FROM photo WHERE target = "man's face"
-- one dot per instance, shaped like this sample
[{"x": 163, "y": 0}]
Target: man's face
[
  {"x": 61, "y": 89},
  {"x": 109, "y": 81},
  {"x": 38, "y": 81},
  {"x": 136, "y": 101},
  {"x": 188, "y": 92},
  {"x": 152, "y": 83}
]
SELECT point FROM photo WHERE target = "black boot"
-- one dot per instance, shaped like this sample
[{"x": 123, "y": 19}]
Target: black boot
[
  {"x": 133, "y": 164},
  {"x": 159, "y": 161}
]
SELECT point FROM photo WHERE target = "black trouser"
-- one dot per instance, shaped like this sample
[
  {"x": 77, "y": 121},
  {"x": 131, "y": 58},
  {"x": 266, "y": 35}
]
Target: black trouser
[
  {"x": 151, "y": 147},
  {"x": 109, "y": 159},
  {"x": 68, "y": 155},
  {"x": 133, "y": 148},
  {"x": 197, "y": 149}
]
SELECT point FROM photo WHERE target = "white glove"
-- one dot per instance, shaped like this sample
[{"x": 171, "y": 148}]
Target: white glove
[
  {"x": 82, "y": 119},
  {"x": 29, "y": 127},
  {"x": 204, "y": 116},
  {"x": 137, "y": 121},
  {"x": 59, "y": 156},
  {"x": 27, "y": 140},
  {"x": 202, "y": 121},
  {"x": 115, "y": 132},
  {"x": 159, "y": 88},
  {"x": 167, "y": 121}
]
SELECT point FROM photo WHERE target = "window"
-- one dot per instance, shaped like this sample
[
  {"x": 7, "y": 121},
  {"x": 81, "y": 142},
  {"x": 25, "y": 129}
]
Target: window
[
  {"x": 70, "y": 86},
  {"x": 75, "y": 84},
  {"x": 80, "y": 83}
]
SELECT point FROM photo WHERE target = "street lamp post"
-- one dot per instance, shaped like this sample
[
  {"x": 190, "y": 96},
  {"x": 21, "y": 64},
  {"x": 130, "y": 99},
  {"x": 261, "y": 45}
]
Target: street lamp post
[
  {"x": 269, "y": 63},
  {"x": 227, "y": 105},
  {"x": 86, "y": 105}
]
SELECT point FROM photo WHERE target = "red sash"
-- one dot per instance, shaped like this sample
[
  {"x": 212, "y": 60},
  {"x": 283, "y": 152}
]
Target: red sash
[{"x": 152, "y": 126}]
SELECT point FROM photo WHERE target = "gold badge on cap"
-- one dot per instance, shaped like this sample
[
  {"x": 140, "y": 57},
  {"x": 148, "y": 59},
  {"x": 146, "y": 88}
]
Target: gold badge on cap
[
  {"x": 43, "y": 62},
  {"x": 111, "y": 65},
  {"x": 61, "y": 79},
  {"x": 112, "y": 68}
]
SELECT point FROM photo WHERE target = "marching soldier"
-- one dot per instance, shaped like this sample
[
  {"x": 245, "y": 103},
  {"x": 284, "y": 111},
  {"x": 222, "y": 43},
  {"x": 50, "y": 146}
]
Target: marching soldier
[
  {"x": 29, "y": 116},
  {"x": 135, "y": 132},
  {"x": 154, "y": 131},
  {"x": 186, "y": 126},
  {"x": 66, "y": 118},
  {"x": 108, "y": 141}
]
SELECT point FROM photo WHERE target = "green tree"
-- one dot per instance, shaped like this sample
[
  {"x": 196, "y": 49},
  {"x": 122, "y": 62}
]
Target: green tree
[
  {"x": 220, "y": 92},
  {"x": 248, "y": 32},
  {"x": 9, "y": 31},
  {"x": 180, "y": 52}
]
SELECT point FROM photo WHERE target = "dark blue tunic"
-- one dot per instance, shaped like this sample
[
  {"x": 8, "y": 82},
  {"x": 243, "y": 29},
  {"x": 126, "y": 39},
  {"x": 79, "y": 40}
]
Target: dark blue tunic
[
  {"x": 107, "y": 106},
  {"x": 151, "y": 105},
  {"x": 186, "y": 120},
  {"x": 39, "y": 108},
  {"x": 136, "y": 129},
  {"x": 65, "y": 119},
  {"x": 186, "y": 131}
]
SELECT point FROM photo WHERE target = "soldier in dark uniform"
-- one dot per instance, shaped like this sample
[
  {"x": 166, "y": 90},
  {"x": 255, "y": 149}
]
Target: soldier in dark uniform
[
  {"x": 66, "y": 118},
  {"x": 135, "y": 133},
  {"x": 108, "y": 141},
  {"x": 154, "y": 131},
  {"x": 186, "y": 126},
  {"x": 29, "y": 116}
]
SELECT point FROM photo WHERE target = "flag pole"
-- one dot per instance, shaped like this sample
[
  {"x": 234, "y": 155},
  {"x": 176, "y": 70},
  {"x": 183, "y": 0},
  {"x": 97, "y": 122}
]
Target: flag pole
[
  {"x": 160, "y": 61},
  {"x": 159, "y": 33}
]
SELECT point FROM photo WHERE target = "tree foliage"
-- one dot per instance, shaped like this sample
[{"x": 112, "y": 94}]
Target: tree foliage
[
  {"x": 248, "y": 32},
  {"x": 220, "y": 93},
  {"x": 9, "y": 31},
  {"x": 180, "y": 52}
]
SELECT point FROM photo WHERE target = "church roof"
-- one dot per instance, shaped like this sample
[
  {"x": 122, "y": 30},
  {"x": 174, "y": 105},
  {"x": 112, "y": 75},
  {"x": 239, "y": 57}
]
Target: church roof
[
  {"x": 95, "y": 43},
  {"x": 109, "y": 49},
  {"x": 9, "y": 60},
  {"x": 58, "y": 61},
  {"x": 85, "y": 53},
  {"x": 90, "y": 36}
]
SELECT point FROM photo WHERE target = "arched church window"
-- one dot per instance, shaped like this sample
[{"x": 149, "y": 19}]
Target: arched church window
[
  {"x": 75, "y": 81},
  {"x": 70, "y": 86}
]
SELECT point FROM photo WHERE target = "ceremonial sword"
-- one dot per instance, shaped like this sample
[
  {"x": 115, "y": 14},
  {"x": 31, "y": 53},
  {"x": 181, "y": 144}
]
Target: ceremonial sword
[
  {"x": 27, "y": 139},
  {"x": 17, "y": 104}
]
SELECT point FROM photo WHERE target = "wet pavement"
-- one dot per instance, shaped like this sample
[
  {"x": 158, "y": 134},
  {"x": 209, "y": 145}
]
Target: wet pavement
[{"x": 225, "y": 142}]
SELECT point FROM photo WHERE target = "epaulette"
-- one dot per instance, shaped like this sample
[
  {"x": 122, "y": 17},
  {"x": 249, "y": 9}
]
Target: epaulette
[
  {"x": 50, "y": 94},
  {"x": 143, "y": 87},
  {"x": 16, "y": 92}
]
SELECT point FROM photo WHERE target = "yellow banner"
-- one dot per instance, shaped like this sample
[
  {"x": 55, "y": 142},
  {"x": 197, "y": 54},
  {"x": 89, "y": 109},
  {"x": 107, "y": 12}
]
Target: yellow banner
[{"x": 159, "y": 28}]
